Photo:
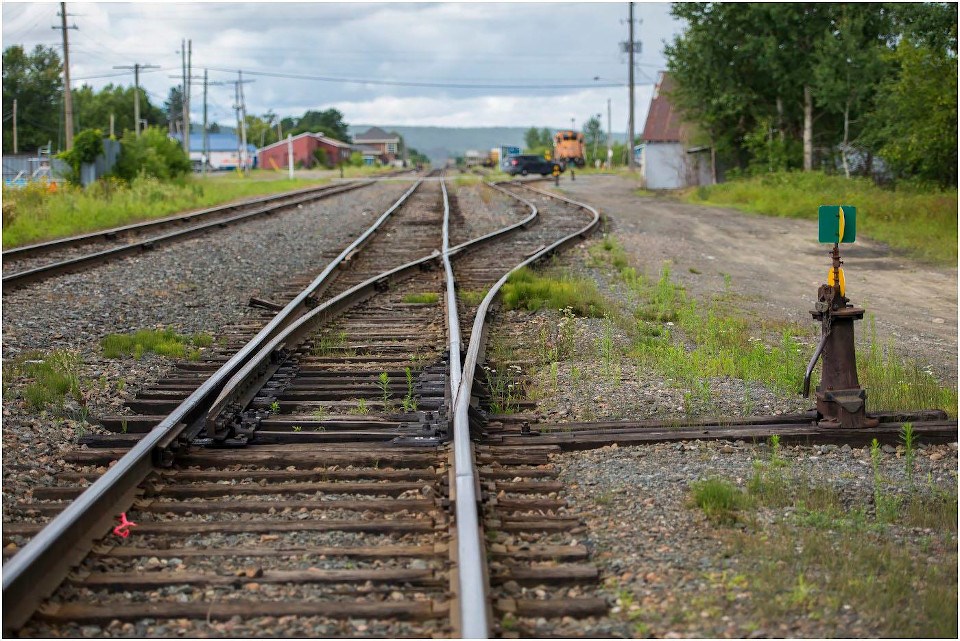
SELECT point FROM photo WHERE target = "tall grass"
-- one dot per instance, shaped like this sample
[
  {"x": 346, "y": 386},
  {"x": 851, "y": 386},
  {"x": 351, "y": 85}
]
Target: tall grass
[
  {"x": 920, "y": 222},
  {"x": 34, "y": 214},
  {"x": 49, "y": 378}
]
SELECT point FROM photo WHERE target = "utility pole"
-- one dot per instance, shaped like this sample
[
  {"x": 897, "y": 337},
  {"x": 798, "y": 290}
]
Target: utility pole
[
  {"x": 609, "y": 137},
  {"x": 186, "y": 55},
  {"x": 241, "y": 108},
  {"x": 290, "y": 156},
  {"x": 136, "y": 91},
  {"x": 67, "y": 96},
  {"x": 630, "y": 160},
  {"x": 206, "y": 141},
  {"x": 14, "y": 125},
  {"x": 111, "y": 125}
]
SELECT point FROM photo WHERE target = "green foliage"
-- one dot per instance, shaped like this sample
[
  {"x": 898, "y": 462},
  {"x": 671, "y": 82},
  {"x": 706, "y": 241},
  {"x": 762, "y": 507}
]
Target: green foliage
[
  {"x": 537, "y": 140},
  {"x": 92, "y": 109},
  {"x": 320, "y": 156},
  {"x": 527, "y": 289},
  {"x": 356, "y": 159},
  {"x": 883, "y": 80},
  {"x": 87, "y": 145},
  {"x": 916, "y": 116},
  {"x": 921, "y": 222},
  {"x": 422, "y": 298},
  {"x": 383, "y": 382},
  {"x": 165, "y": 342},
  {"x": 153, "y": 154},
  {"x": 328, "y": 122},
  {"x": 719, "y": 500},
  {"x": 34, "y": 80},
  {"x": 49, "y": 378},
  {"x": 898, "y": 383}
]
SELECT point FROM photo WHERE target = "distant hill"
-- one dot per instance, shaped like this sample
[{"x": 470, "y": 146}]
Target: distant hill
[{"x": 440, "y": 143}]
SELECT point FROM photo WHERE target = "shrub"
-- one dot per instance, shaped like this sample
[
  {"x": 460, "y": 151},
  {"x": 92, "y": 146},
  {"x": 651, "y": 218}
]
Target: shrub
[
  {"x": 152, "y": 154},
  {"x": 87, "y": 145}
]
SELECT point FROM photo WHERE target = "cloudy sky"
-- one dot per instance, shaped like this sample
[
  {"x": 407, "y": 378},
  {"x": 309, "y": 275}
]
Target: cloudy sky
[{"x": 444, "y": 64}]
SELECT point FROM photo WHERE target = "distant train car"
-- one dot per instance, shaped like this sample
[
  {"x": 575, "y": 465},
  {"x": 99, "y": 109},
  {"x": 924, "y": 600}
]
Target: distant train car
[{"x": 568, "y": 148}]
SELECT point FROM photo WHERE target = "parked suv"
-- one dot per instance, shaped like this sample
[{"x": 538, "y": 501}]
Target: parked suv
[{"x": 524, "y": 165}]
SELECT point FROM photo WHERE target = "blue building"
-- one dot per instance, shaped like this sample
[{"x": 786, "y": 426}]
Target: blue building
[{"x": 224, "y": 151}]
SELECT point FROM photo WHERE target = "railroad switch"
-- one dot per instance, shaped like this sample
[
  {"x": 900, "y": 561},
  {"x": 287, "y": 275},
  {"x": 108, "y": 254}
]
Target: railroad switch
[{"x": 841, "y": 402}]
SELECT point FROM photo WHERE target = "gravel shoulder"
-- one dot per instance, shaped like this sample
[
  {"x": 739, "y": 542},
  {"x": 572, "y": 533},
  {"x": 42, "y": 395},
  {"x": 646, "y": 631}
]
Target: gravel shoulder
[{"x": 776, "y": 265}]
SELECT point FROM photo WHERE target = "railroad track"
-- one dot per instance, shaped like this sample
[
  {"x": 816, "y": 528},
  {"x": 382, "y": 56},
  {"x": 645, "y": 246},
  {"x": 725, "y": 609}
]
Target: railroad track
[
  {"x": 355, "y": 496},
  {"x": 32, "y": 263},
  {"x": 376, "y": 495}
]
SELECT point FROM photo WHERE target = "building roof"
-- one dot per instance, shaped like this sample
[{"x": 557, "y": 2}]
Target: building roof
[
  {"x": 376, "y": 134},
  {"x": 333, "y": 142},
  {"x": 664, "y": 123},
  {"x": 215, "y": 142}
]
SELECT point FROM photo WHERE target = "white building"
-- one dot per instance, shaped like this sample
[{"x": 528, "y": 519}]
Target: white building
[{"x": 666, "y": 161}]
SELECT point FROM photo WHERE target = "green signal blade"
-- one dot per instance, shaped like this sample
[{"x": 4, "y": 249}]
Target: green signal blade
[{"x": 829, "y": 217}]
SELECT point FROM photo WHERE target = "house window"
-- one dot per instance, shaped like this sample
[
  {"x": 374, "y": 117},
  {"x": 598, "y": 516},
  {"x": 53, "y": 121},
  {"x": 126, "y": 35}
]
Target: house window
[{"x": 391, "y": 147}]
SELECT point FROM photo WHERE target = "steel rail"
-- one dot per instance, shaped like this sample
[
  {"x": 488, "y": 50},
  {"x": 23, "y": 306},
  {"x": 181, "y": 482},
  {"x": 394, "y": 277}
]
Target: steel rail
[
  {"x": 271, "y": 356},
  {"x": 473, "y": 584},
  {"x": 74, "y": 264},
  {"x": 39, "y": 567},
  {"x": 109, "y": 234}
]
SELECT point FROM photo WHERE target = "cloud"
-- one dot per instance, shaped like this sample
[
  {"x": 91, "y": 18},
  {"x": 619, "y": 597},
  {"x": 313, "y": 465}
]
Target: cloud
[{"x": 523, "y": 44}]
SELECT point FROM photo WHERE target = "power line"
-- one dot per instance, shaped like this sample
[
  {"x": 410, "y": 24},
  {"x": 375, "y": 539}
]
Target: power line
[{"x": 405, "y": 83}]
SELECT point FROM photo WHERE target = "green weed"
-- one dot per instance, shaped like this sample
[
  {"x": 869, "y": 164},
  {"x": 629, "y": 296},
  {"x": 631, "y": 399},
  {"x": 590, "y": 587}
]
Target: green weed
[
  {"x": 409, "y": 402},
  {"x": 719, "y": 499},
  {"x": 383, "y": 381},
  {"x": 165, "y": 342},
  {"x": 471, "y": 297},
  {"x": 422, "y": 298},
  {"x": 526, "y": 289},
  {"x": 52, "y": 377}
]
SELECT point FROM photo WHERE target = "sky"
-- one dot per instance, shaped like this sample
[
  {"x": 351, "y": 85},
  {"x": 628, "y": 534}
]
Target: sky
[{"x": 461, "y": 64}]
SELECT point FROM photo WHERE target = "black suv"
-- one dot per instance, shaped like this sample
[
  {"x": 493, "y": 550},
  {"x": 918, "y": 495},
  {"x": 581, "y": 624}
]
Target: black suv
[{"x": 524, "y": 165}]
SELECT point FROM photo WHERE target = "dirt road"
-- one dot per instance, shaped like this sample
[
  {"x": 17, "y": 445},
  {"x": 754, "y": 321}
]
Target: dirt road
[{"x": 776, "y": 265}]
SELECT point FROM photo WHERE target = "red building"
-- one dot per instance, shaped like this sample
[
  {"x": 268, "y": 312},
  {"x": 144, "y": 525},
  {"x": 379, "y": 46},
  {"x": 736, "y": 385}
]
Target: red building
[{"x": 305, "y": 146}]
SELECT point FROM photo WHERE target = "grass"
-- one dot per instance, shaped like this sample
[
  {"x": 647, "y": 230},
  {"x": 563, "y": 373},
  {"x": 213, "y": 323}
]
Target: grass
[
  {"x": 919, "y": 222},
  {"x": 164, "y": 342},
  {"x": 471, "y": 297},
  {"x": 527, "y": 289},
  {"x": 49, "y": 378},
  {"x": 422, "y": 298},
  {"x": 822, "y": 556},
  {"x": 720, "y": 500},
  {"x": 895, "y": 383},
  {"x": 34, "y": 214}
]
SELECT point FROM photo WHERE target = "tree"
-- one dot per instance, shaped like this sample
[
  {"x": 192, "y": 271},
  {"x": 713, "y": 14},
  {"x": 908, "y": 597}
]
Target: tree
[
  {"x": 916, "y": 114},
  {"x": 531, "y": 138},
  {"x": 173, "y": 106},
  {"x": 261, "y": 130},
  {"x": 34, "y": 81},
  {"x": 849, "y": 66},
  {"x": 595, "y": 139},
  {"x": 93, "y": 109},
  {"x": 329, "y": 123}
]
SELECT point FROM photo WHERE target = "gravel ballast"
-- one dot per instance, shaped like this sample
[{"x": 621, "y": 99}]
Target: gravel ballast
[{"x": 202, "y": 284}]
